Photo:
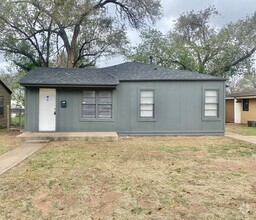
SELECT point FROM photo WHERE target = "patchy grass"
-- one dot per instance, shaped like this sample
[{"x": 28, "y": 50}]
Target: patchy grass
[
  {"x": 7, "y": 141},
  {"x": 242, "y": 129},
  {"x": 134, "y": 178}
]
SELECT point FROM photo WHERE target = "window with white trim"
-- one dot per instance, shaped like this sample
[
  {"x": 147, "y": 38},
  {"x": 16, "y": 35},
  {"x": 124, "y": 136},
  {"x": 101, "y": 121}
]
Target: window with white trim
[
  {"x": 1, "y": 106},
  {"x": 147, "y": 104},
  {"x": 96, "y": 104},
  {"x": 211, "y": 103}
]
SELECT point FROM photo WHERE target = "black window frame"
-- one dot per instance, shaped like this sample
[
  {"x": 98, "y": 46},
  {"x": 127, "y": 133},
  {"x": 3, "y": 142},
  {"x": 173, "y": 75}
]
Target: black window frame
[
  {"x": 2, "y": 106},
  {"x": 246, "y": 105}
]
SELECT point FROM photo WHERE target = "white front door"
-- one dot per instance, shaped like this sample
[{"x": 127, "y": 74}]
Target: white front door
[
  {"x": 237, "y": 111},
  {"x": 47, "y": 108}
]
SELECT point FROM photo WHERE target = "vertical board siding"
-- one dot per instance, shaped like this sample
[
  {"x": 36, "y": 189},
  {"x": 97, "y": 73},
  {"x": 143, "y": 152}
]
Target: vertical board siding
[
  {"x": 31, "y": 109},
  {"x": 178, "y": 109},
  {"x": 230, "y": 114}
]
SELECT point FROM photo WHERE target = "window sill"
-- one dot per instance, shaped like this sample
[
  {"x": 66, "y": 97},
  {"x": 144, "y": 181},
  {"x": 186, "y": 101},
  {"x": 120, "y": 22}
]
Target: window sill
[
  {"x": 146, "y": 119},
  {"x": 211, "y": 119},
  {"x": 97, "y": 119}
]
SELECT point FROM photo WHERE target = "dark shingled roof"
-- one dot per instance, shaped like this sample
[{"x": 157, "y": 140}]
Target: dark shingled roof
[
  {"x": 68, "y": 77},
  {"x": 242, "y": 94},
  {"x": 109, "y": 76},
  {"x": 5, "y": 86}
]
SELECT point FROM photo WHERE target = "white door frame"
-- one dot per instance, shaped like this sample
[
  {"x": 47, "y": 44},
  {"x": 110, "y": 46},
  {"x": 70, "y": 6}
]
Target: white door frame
[
  {"x": 237, "y": 111},
  {"x": 47, "y": 109}
]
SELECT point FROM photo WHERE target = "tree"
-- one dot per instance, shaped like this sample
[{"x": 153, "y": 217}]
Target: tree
[
  {"x": 193, "y": 44},
  {"x": 38, "y": 32},
  {"x": 245, "y": 81},
  {"x": 12, "y": 81},
  {"x": 154, "y": 43}
]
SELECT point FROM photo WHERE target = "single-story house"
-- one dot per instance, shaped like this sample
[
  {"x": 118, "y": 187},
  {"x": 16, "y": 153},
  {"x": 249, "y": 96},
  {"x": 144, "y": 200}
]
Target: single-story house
[
  {"x": 5, "y": 101},
  {"x": 241, "y": 107},
  {"x": 130, "y": 98}
]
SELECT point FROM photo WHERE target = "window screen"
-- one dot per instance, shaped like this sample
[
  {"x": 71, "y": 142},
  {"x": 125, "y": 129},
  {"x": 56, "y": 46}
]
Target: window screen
[
  {"x": 211, "y": 106},
  {"x": 147, "y": 104},
  {"x": 96, "y": 104}
]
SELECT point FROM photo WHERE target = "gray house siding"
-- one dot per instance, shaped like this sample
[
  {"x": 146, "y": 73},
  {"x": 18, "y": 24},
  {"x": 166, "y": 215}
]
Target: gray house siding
[
  {"x": 178, "y": 109},
  {"x": 31, "y": 109}
]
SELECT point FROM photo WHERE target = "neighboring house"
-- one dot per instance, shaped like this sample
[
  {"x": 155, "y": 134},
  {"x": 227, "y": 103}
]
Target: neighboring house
[
  {"x": 130, "y": 98},
  {"x": 241, "y": 107},
  {"x": 5, "y": 101}
]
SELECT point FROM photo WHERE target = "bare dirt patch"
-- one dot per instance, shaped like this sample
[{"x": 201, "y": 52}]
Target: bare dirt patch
[
  {"x": 7, "y": 141},
  {"x": 134, "y": 178},
  {"x": 243, "y": 165},
  {"x": 42, "y": 203}
]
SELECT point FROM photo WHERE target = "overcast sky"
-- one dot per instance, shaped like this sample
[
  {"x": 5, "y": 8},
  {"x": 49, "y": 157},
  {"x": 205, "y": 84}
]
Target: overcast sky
[{"x": 230, "y": 10}]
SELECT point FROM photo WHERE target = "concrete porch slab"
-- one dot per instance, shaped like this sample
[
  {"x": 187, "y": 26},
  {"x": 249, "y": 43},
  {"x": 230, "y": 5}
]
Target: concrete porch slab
[{"x": 68, "y": 136}]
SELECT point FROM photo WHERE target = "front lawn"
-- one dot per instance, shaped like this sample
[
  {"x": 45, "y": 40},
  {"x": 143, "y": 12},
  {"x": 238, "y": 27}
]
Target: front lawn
[
  {"x": 134, "y": 178},
  {"x": 242, "y": 129}
]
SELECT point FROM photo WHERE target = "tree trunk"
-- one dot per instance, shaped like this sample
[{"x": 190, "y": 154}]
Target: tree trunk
[
  {"x": 71, "y": 52},
  {"x": 71, "y": 58}
]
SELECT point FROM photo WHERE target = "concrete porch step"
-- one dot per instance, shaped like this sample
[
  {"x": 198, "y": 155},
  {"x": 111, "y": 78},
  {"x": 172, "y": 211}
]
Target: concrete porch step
[
  {"x": 37, "y": 141},
  {"x": 68, "y": 136}
]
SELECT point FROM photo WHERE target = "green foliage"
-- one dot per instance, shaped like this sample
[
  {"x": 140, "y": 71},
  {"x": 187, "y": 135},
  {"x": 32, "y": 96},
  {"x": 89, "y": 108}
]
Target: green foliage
[
  {"x": 11, "y": 77},
  {"x": 155, "y": 43},
  {"x": 232, "y": 150},
  {"x": 43, "y": 33},
  {"x": 18, "y": 121},
  {"x": 193, "y": 44}
]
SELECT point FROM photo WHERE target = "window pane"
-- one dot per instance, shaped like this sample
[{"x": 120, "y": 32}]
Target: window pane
[
  {"x": 147, "y": 104},
  {"x": 96, "y": 104},
  {"x": 146, "y": 107},
  {"x": 211, "y": 99},
  {"x": 104, "y": 111},
  {"x": 146, "y": 94},
  {"x": 211, "y": 113},
  {"x": 104, "y": 93},
  {"x": 1, "y": 111},
  {"x": 145, "y": 100},
  {"x": 88, "y": 93},
  {"x": 210, "y": 106},
  {"x": 104, "y": 100},
  {"x": 88, "y": 100},
  {"x": 88, "y": 111},
  {"x": 245, "y": 104},
  {"x": 146, "y": 114},
  {"x": 211, "y": 93}
]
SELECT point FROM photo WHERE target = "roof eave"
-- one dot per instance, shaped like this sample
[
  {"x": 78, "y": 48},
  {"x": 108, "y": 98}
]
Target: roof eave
[
  {"x": 141, "y": 80},
  {"x": 69, "y": 85},
  {"x": 6, "y": 87}
]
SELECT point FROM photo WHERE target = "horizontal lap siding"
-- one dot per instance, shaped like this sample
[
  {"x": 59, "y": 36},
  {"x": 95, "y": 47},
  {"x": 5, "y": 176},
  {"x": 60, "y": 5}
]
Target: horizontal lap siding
[{"x": 7, "y": 101}]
